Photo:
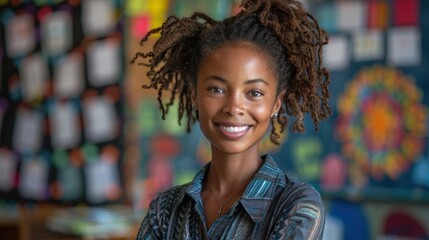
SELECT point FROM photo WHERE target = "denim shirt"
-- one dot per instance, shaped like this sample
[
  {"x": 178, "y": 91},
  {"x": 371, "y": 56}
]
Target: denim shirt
[{"x": 272, "y": 207}]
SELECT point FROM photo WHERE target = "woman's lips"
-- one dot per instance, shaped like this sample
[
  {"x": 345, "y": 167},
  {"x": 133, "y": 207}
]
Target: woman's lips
[{"x": 233, "y": 131}]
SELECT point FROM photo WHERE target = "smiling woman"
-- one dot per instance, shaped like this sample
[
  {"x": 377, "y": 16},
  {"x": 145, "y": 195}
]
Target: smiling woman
[
  {"x": 236, "y": 78},
  {"x": 238, "y": 91}
]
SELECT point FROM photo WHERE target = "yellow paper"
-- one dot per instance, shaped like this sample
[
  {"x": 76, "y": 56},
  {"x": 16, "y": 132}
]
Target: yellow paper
[
  {"x": 158, "y": 6},
  {"x": 136, "y": 7}
]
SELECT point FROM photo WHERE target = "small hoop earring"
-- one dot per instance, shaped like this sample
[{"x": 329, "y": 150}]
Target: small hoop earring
[
  {"x": 194, "y": 107},
  {"x": 275, "y": 115}
]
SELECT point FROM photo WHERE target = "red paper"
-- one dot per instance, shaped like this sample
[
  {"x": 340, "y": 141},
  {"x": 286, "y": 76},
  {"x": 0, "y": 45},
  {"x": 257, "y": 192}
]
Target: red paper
[
  {"x": 378, "y": 14},
  {"x": 140, "y": 26},
  {"x": 406, "y": 12}
]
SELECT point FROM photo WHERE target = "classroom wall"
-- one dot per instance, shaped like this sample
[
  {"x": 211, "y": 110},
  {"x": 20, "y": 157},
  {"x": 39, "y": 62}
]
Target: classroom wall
[{"x": 373, "y": 187}]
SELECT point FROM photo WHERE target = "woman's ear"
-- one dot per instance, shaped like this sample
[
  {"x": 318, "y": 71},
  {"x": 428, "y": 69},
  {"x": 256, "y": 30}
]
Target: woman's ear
[{"x": 279, "y": 102}]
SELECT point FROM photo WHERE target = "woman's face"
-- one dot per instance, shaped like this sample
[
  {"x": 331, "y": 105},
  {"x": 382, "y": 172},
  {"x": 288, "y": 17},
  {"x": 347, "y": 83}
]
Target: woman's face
[{"x": 236, "y": 97}]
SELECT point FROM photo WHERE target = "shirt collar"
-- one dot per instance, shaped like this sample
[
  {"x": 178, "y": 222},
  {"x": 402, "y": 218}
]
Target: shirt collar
[
  {"x": 262, "y": 189},
  {"x": 259, "y": 192}
]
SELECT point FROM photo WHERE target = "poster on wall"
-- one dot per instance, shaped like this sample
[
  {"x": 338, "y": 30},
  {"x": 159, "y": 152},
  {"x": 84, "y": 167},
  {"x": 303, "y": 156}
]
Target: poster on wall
[{"x": 60, "y": 105}]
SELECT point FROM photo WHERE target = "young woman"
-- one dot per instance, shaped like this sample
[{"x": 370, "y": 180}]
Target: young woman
[{"x": 237, "y": 78}]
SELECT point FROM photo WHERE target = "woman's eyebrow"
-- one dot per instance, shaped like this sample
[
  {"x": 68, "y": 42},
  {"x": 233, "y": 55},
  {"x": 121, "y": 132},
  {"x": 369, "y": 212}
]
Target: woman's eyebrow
[
  {"x": 216, "y": 78},
  {"x": 257, "y": 80},
  {"x": 250, "y": 81}
]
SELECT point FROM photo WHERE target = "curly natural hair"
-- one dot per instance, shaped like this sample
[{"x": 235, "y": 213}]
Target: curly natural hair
[{"x": 281, "y": 28}]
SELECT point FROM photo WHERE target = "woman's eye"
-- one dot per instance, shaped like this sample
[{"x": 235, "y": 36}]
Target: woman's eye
[
  {"x": 255, "y": 94},
  {"x": 216, "y": 90}
]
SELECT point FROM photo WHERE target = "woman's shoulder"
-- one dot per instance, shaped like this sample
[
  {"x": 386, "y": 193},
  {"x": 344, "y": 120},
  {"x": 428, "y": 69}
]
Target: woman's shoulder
[
  {"x": 171, "y": 195},
  {"x": 299, "y": 211},
  {"x": 301, "y": 193}
]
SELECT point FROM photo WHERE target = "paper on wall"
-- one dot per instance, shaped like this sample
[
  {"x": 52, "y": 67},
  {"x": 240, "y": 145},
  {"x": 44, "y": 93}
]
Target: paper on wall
[
  {"x": 56, "y": 33},
  {"x": 327, "y": 16},
  {"x": 65, "y": 132},
  {"x": 404, "y": 46},
  {"x": 69, "y": 78},
  {"x": 351, "y": 15},
  {"x": 98, "y": 17},
  {"x": 100, "y": 119},
  {"x": 102, "y": 177},
  {"x": 33, "y": 76},
  {"x": 406, "y": 12},
  {"x": 28, "y": 130},
  {"x": 104, "y": 61},
  {"x": 34, "y": 179},
  {"x": 20, "y": 35},
  {"x": 368, "y": 45},
  {"x": 8, "y": 168},
  {"x": 337, "y": 53},
  {"x": 71, "y": 182}
]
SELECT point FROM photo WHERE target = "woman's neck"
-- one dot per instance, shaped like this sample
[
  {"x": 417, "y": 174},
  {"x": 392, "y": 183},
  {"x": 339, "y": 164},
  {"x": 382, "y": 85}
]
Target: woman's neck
[{"x": 230, "y": 172}]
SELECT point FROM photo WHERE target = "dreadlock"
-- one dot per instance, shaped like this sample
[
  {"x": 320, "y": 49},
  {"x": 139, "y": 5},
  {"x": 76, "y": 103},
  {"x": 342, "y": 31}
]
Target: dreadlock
[{"x": 281, "y": 28}]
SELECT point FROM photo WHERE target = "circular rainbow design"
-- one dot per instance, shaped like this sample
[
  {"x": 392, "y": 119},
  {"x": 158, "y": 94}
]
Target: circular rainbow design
[{"x": 381, "y": 122}]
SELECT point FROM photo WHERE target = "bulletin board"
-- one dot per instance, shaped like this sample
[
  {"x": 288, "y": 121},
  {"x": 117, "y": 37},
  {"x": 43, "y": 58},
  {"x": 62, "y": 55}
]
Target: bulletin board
[
  {"x": 61, "y": 102},
  {"x": 373, "y": 148}
]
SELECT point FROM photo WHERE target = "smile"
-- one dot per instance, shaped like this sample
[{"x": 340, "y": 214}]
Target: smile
[
  {"x": 234, "y": 129},
  {"x": 234, "y": 132}
]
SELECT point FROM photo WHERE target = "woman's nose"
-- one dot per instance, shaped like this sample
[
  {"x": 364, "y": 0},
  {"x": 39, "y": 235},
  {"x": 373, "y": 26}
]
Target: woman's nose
[{"x": 234, "y": 105}]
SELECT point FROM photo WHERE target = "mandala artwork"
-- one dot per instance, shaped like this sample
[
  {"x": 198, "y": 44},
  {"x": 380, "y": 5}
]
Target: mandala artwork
[{"x": 382, "y": 122}]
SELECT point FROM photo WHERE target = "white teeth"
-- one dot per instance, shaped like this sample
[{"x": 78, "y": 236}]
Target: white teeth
[{"x": 234, "y": 129}]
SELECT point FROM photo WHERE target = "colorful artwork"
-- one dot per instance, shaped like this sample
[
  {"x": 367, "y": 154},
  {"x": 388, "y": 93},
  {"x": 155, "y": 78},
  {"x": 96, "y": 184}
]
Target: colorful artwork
[
  {"x": 382, "y": 122},
  {"x": 61, "y": 109}
]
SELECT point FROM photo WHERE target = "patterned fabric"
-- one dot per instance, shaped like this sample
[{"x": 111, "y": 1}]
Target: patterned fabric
[{"x": 272, "y": 207}]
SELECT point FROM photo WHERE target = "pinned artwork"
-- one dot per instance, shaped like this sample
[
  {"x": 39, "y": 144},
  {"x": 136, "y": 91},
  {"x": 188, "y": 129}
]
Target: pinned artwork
[
  {"x": 57, "y": 34},
  {"x": 69, "y": 78},
  {"x": 20, "y": 35},
  {"x": 378, "y": 14},
  {"x": 307, "y": 153},
  {"x": 69, "y": 184},
  {"x": 382, "y": 122},
  {"x": 34, "y": 178},
  {"x": 334, "y": 173},
  {"x": 104, "y": 63},
  {"x": 337, "y": 53},
  {"x": 404, "y": 46},
  {"x": 102, "y": 180},
  {"x": 135, "y": 8},
  {"x": 100, "y": 119},
  {"x": 147, "y": 114},
  {"x": 140, "y": 26},
  {"x": 33, "y": 77},
  {"x": 60, "y": 99},
  {"x": 351, "y": 15},
  {"x": 28, "y": 130},
  {"x": 326, "y": 14},
  {"x": 98, "y": 17},
  {"x": 406, "y": 12},
  {"x": 368, "y": 45},
  {"x": 65, "y": 129},
  {"x": 8, "y": 168}
]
